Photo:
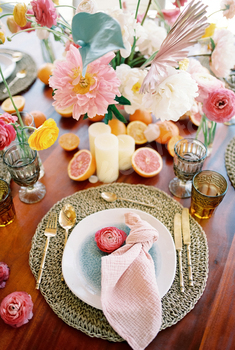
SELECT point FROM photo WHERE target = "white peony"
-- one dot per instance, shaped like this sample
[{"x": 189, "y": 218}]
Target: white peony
[
  {"x": 150, "y": 37},
  {"x": 173, "y": 97},
  {"x": 131, "y": 80},
  {"x": 223, "y": 56},
  {"x": 129, "y": 28},
  {"x": 89, "y": 6}
]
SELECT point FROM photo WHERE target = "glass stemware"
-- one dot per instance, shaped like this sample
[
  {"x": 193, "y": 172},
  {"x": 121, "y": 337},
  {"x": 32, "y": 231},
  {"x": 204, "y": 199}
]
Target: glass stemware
[
  {"x": 188, "y": 160},
  {"x": 23, "y": 165}
]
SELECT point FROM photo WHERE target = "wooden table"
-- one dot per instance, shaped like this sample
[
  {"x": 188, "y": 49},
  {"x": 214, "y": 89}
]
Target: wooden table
[{"x": 210, "y": 325}]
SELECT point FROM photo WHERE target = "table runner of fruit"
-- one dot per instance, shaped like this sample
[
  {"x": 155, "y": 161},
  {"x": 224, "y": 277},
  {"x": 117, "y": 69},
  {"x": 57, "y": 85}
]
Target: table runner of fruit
[
  {"x": 88, "y": 319},
  {"x": 230, "y": 161}
]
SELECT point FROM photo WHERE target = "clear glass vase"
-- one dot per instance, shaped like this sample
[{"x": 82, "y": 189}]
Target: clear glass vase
[
  {"x": 47, "y": 50},
  {"x": 206, "y": 133}
]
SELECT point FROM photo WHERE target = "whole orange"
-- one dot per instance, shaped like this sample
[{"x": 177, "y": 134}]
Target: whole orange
[
  {"x": 142, "y": 116},
  {"x": 167, "y": 130},
  {"x": 44, "y": 72},
  {"x": 97, "y": 118},
  {"x": 39, "y": 118},
  {"x": 117, "y": 127}
]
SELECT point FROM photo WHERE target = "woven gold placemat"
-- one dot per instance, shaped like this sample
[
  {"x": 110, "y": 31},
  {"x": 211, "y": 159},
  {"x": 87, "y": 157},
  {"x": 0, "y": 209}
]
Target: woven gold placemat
[
  {"x": 76, "y": 313},
  {"x": 230, "y": 161}
]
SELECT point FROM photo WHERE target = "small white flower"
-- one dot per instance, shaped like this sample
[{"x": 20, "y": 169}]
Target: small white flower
[
  {"x": 150, "y": 38},
  {"x": 223, "y": 56},
  {"x": 173, "y": 97},
  {"x": 89, "y": 6},
  {"x": 131, "y": 80},
  {"x": 42, "y": 33}
]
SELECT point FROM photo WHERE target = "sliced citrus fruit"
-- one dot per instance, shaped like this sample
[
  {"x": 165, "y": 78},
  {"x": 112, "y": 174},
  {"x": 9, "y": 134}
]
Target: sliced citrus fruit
[
  {"x": 167, "y": 130},
  {"x": 142, "y": 116},
  {"x": 44, "y": 72},
  {"x": 19, "y": 102},
  {"x": 39, "y": 118},
  {"x": 65, "y": 112},
  {"x": 69, "y": 141},
  {"x": 136, "y": 130},
  {"x": 97, "y": 118},
  {"x": 146, "y": 162},
  {"x": 195, "y": 118},
  {"x": 117, "y": 127},
  {"x": 171, "y": 144},
  {"x": 81, "y": 166}
]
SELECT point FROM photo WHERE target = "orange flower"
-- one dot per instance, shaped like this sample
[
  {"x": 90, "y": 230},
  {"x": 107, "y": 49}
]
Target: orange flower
[{"x": 44, "y": 136}]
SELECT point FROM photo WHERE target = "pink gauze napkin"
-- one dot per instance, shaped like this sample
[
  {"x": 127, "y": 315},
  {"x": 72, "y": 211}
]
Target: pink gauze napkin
[{"x": 129, "y": 292}]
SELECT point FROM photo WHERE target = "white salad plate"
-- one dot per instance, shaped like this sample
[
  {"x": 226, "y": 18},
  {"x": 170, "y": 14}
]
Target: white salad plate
[
  {"x": 7, "y": 66},
  {"x": 81, "y": 262}
]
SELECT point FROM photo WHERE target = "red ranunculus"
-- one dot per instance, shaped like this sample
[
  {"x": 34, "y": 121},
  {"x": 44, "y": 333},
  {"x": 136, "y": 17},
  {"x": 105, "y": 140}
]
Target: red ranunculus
[
  {"x": 110, "y": 238},
  {"x": 220, "y": 105},
  {"x": 179, "y": 3},
  {"x": 7, "y": 134},
  {"x": 44, "y": 12},
  {"x": 4, "y": 274},
  {"x": 16, "y": 309}
]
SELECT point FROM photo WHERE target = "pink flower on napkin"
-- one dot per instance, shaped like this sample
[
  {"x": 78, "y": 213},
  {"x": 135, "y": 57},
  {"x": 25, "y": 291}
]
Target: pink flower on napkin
[
  {"x": 44, "y": 12},
  {"x": 16, "y": 309},
  {"x": 4, "y": 274},
  {"x": 110, "y": 238},
  {"x": 220, "y": 105},
  {"x": 129, "y": 292}
]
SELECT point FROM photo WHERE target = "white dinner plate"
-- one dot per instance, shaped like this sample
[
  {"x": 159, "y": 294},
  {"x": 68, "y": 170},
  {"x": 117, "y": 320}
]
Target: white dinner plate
[
  {"x": 81, "y": 262},
  {"x": 7, "y": 66}
]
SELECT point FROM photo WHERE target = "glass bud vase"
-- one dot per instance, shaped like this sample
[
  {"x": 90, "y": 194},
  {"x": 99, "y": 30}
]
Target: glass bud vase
[
  {"x": 206, "y": 133},
  {"x": 47, "y": 50}
]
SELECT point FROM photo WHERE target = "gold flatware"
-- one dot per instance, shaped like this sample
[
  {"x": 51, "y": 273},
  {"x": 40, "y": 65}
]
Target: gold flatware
[
  {"x": 19, "y": 75},
  {"x": 178, "y": 246},
  {"x": 187, "y": 242},
  {"x": 112, "y": 197},
  {"x": 50, "y": 231}
]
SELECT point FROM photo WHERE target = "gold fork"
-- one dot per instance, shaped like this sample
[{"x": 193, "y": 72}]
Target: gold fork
[{"x": 50, "y": 231}]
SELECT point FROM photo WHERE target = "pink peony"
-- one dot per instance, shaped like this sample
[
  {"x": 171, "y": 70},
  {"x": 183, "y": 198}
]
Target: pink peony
[
  {"x": 206, "y": 83},
  {"x": 8, "y": 118},
  {"x": 228, "y": 7},
  {"x": 91, "y": 94},
  {"x": 16, "y": 309},
  {"x": 171, "y": 15},
  {"x": 179, "y": 3},
  {"x": 7, "y": 134},
  {"x": 44, "y": 12},
  {"x": 220, "y": 105},
  {"x": 4, "y": 274},
  {"x": 28, "y": 24},
  {"x": 109, "y": 239}
]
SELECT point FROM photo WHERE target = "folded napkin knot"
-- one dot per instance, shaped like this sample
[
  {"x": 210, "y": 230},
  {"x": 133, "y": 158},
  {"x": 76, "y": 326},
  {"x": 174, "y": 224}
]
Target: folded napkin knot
[{"x": 129, "y": 292}]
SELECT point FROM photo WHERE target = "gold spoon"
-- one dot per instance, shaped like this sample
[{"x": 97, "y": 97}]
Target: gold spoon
[
  {"x": 67, "y": 219},
  {"x": 19, "y": 75},
  {"x": 112, "y": 197}
]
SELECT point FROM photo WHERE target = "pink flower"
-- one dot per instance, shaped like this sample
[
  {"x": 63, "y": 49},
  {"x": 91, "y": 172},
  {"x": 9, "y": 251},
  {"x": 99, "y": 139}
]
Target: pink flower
[
  {"x": 7, "y": 134},
  {"x": 4, "y": 274},
  {"x": 109, "y": 239},
  {"x": 228, "y": 7},
  {"x": 8, "y": 118},
  {"x": 206, "y": 83},
  {"x": 28, "y": 24},
  {"x": 44, "y": 12},
  {"x": 179, "y": 3},
  {"x": 140, "y": 18},
  {"x": 16, "y": 309},
  {"x": 171, "y": 15},
  {"x": 196, "y": 67},
  {"x": 220, "y": 105},
  {"x": 91, "y": 94}
]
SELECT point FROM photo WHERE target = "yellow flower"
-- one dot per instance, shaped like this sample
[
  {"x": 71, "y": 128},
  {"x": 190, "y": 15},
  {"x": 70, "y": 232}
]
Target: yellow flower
[
  {"x": 209, "y": 31},
  {"x": 19, "y": 14},
  {"x": 2, "y": 37},
  {"x": 183, "y": 65},
  {"x": 44, "y": 136},
  {"x": 56, "y": 2}
]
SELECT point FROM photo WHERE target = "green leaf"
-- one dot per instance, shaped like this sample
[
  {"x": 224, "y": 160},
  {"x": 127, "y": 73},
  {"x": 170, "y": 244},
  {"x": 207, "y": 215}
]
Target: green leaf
[
  {"x": 85, "y": 116},
  {"x": 117, "y": 114},
  {"x": 108, "y": 116},
  {"x": 212, "y": 44},
  {"x": 122, "y": 100}
]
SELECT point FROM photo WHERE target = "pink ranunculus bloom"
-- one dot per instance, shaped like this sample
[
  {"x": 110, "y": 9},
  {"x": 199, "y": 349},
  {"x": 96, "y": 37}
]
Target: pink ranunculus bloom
[
  {"x": 8, "y": 118},
  {"x": 110, "y": 238},
  {"x": 206, "y": 83},
  {"x": 4, "y": 274},
  {"x": 220, "y": 105},
  {"x": 7, "y": 134},
  {"x": 179, "y": 3},
  {"x": 170, "y": 15},
  {"x": 28, "y": 24},
  {"x": 16, "y": 309},
  {"x": 44, "y": 12},
  {"x": 91, "y": 94}
]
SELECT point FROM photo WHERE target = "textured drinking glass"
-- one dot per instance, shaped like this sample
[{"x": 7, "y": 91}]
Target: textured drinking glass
[
  {"x": 23, "y": 165},
  {"x": 208, "y": 191},
  {"x": 7, "y": 210},
  {"x": 188, "y": 160}
]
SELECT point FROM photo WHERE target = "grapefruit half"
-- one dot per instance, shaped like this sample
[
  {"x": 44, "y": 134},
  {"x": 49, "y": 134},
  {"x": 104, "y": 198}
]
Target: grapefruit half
[
  {"x": 82, "y": 165},
  {"x": 146, "y": 162}
]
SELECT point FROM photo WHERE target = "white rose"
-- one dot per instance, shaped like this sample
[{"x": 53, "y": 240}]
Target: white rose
[{"x": 89, "y": 6}]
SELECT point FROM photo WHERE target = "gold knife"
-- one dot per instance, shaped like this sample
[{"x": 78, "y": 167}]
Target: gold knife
[
  {"x": 178, "y": 246},
  {"x": 187, "y": 242}
]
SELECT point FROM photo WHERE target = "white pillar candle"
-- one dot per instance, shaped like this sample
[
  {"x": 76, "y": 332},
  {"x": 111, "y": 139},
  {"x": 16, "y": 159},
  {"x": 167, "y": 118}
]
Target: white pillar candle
[
  {"x": 106, "y": 156},
  {"x": 94, "y": 130},
  {"x": 126, "y": 147}
]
